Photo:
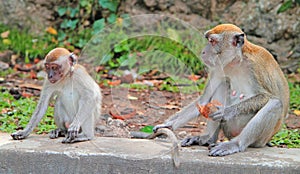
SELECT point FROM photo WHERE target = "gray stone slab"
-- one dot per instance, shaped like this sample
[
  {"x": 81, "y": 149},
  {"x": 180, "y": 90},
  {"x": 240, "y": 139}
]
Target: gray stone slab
[{"x": 39, "y": 154}]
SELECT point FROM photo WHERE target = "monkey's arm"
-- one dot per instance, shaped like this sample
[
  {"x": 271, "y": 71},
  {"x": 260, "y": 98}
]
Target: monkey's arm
[
  {"x": 38, "y": 114},
  {"x": 214, "y": 87},
  {"x": 250, "y": 105}
]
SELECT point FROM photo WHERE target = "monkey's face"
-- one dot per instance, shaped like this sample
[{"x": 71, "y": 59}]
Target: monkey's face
[
  {"x": 222, "y": 48},
  {"x": 54, "y": 71},
  {"x": 211, "y": 52}
]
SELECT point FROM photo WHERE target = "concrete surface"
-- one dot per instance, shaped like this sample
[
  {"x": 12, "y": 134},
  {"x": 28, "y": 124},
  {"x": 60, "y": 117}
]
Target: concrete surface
[{"x": 39, "y": 154}]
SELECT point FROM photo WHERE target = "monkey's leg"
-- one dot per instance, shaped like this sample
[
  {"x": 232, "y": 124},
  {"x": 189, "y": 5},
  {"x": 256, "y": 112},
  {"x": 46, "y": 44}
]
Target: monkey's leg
[
  {"x": 80, "y": 137},
  {"x": 57, "y": 133},
  {"x": 59, "y": 114},
  {"x": 257, "y": 132},
  {"x": 211, "y": 136}
]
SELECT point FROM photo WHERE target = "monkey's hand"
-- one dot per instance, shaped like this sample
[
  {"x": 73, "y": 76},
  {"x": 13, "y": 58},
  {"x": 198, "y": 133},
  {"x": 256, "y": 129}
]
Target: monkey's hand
[
  {"x": 155, "y": 128},
  {"x": 19, "y": 135},
  {"x": 224, "y": 113},
  {"x": 72, "y": 133}
]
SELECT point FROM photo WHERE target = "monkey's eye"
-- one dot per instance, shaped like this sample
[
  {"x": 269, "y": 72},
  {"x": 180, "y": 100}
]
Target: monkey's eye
[
  {"x": 47, "y": 66},
  {"x": 54, "y": 68}
]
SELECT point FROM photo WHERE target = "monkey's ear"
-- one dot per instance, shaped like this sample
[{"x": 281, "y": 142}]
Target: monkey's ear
[
  {"x": 72, "y": 59},
  {"x": 238, "y": 40}
]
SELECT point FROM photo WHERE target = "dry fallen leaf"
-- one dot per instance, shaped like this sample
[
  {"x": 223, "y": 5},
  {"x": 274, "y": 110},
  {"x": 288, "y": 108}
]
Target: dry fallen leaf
[
  {"x": 131, "y": 97},
  {"x": 122, "y": 115},
  {"x": 194, "y": 78},
  {"x": 26, "y": 94},
  {"x": 32, "y": 86},
  {"x": 5, "y": 34},
  {"x": 33, "y": 75},
  {"x": 51, "y": 30},
  {"x": 208, "y": 108},
  {"x": 114, "y": 83},
  {"x": 297, "y": 112}
]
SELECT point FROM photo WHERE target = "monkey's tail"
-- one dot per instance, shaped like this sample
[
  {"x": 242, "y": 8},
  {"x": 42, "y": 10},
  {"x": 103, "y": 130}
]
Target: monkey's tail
[{"x": 163, "y": 131}]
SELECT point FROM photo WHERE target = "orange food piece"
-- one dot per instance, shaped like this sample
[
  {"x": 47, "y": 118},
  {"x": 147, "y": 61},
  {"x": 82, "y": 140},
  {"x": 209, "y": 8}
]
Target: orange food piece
[{"x": 209, "y": 108}]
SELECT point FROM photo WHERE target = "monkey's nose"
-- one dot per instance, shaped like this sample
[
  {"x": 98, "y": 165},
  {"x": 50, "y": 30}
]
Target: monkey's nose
[{"x": 203, "y": 52}]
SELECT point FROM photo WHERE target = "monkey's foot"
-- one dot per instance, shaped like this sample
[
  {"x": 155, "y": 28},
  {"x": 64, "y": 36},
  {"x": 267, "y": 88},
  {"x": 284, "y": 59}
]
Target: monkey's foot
[
  {"x": 18, "y": 135},
  {"x": 76, "y": 139},
  {"x": 195, "y": 140},
  {"x": 57, "y": 133},
  {"x": 222, "y": 149},
  {"x": 190, "y": 141}
]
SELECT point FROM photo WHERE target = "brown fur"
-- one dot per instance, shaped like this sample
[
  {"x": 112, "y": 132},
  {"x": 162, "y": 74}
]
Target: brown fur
[
  {"x": 262, "y": 60},
  {"x": 54, "y": 54}
]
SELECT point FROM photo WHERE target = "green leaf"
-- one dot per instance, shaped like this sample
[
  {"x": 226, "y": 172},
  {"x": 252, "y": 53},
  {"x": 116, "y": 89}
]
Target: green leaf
[
  {"x": 61, "y": 11},
  {"x": 147, "y": 129},
  {"x": 285, "y": 6},
  {"x": 112, "y": 18},
  {"x": 64, "y": 24},
  {"x": 26, "y": 56},
  {"x": 112, "y": 5},
  {"x": 98, "y": 25},
  {"x": 72, "y": 24},
  {"x": 106, "y": 58},
  {"x": 61, "y": 36},
  {"x": 73, "y": 12},
  {"x": 83, "y": 3}
]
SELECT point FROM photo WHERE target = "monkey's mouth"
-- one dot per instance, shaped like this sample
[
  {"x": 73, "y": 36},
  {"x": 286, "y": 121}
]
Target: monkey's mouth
[{"x": 52, "y": 80}]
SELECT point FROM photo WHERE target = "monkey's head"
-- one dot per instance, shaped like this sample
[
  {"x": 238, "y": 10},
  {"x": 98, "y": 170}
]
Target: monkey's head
[
  {"x": 58, "y": 63},
  {"x": 225, "y": 43}
]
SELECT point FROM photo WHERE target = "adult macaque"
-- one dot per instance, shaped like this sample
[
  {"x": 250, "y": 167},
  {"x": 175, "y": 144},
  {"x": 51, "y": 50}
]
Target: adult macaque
[
  {"x": 78, "y": 99},
  {"x": 248, "y": 82}
]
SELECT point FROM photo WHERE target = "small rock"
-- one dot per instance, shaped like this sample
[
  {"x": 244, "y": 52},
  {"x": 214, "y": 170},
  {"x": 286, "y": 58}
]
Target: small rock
[
  {"x": 182, "y": 134},
  {"x": 3, "y": 65}
]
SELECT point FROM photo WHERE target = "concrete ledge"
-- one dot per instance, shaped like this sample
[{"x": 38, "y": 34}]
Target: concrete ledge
[{"x": 39, "y": 154}]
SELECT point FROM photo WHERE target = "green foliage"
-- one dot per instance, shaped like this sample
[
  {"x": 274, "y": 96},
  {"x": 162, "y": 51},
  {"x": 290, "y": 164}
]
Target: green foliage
[
  {"x": 287, "y": 5},
  {"x": 15, "y": 114},
  {"x": 82, "y": 18},
  {"x": 98, "y": 25},
  {"x": 4, "y": 73},
  {"x": 147, "y": 129},
  {"x": 133, "y": 50},
  {"x": 112, "y": 5},
  {"x": 25, "y": 44},
  {"x": 136, "y": 86},
  {"x": 288, "y": 138},
  {"x": 294, "y": 96},
  {"x": 183, "y": 85}
]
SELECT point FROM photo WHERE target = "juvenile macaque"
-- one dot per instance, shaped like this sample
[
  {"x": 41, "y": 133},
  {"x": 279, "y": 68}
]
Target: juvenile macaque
[
  {"x": 248, "y": 82},
  {"x": 78, "y": 99}
]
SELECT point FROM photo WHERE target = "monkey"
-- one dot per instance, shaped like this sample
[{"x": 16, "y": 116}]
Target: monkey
[
  {"x": 249, "y": 83},
  {"x": 77, "y": 99}
]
